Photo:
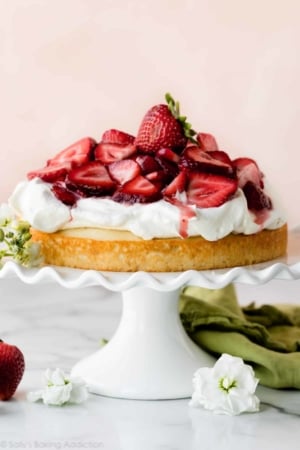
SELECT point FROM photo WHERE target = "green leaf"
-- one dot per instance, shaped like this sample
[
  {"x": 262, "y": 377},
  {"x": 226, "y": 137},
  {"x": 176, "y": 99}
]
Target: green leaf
[{"x": 174, "y": 108}]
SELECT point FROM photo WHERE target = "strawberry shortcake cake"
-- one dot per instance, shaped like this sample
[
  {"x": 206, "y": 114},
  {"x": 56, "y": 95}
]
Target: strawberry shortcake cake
[{"x": 167, "y": 199}]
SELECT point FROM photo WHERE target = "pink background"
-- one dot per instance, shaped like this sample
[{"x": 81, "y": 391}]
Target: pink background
[{"x": 71, "y": 68}]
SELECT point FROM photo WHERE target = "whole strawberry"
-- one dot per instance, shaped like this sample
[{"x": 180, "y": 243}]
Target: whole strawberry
[
  {"x": 12, "y": 367},
  {"x": 164, "y": 127}
]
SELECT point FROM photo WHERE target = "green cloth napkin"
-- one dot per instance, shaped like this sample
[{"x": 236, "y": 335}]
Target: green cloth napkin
[{"x": 267, "y": 337}]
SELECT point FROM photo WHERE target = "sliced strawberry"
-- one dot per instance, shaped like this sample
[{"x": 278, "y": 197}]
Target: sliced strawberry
[
  {"x": 207, "y": 190},
  {"x": 221, "y": 156},
  {"x": 140, "y": 186},
  {"x": 91, "y": 178},
  {"x": 124, "y": 170},
  {"x": 191, "y": 143},
  {"x": 117, "y": 137},
  {"x": 63, "y": 194},
  {"x": 109, "y": 153},
  {"x": 138, "y": 190},
  {"x": 168, "y": 154},
  {"x": 207, "y": 142},
  {"x": 51, "y": 173},
  {"x": 196, "y": 159},
  {"x": 78, "y": 153},
  {"x": 147, "y": 163},
  {"x": 177, "y": 185},
  {"x": 256, "y": 198},
  {"x": 248, "y": 170},
  {"x": 156, "y": 177},
  {"x": 170, "y": 169}
]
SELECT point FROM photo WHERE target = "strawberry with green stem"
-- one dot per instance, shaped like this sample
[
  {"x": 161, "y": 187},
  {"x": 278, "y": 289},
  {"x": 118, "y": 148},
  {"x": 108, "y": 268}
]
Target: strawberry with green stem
[{"x": 164, "y": 126}]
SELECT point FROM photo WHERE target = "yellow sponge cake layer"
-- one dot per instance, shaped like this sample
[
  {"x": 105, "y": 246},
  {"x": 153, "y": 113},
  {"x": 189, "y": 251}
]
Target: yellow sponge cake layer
[{"x": 121, "y": 251}]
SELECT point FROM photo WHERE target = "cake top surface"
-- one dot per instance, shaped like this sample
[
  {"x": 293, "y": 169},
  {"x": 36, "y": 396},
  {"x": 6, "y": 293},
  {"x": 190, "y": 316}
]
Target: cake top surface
[{"x": 166, "y": 167}]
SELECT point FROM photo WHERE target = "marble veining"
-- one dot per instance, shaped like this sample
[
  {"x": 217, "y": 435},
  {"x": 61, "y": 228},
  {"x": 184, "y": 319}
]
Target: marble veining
[{"x": 55, "y": 327}]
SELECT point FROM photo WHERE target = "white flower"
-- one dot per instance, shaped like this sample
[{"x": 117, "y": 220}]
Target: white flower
[
  {"x": 15, "y": 239},
  {"x": 227, "y": 388},
  {"x": 60, "y": 389}
]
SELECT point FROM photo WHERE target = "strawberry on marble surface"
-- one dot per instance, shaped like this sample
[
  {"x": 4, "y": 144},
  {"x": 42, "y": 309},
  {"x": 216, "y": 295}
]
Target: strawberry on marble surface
[{"x": 12, "y": 366}]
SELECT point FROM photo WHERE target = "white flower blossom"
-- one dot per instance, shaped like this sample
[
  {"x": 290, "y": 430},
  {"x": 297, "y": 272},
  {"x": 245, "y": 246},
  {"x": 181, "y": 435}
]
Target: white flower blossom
[
  {"x": 227, "y": 388},
  {"x": 15, "y": 239},
  {"x": 60, "y": 389}
]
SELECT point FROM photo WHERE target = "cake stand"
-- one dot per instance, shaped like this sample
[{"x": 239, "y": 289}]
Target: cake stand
[{"x": 150, "y": 356}]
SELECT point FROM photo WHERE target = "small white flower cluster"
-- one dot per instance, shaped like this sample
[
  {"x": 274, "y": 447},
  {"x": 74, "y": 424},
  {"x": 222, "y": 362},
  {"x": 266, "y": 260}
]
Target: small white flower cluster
[
  {"x": 60, "y": 389},
  {"x": 227, "y": 388},
  {"x": 15, "y": 239}
]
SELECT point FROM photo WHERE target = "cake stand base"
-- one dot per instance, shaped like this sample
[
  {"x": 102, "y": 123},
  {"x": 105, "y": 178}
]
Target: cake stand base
[{"x": 150, "y": 357}]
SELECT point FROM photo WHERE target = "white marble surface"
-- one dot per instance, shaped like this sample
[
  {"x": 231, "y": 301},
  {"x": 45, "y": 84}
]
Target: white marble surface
[{"x": 55, "y": 327}]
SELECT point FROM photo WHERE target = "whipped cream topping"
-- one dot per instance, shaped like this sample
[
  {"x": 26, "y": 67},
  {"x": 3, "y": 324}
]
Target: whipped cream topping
[{"x": 34, "y": 201}]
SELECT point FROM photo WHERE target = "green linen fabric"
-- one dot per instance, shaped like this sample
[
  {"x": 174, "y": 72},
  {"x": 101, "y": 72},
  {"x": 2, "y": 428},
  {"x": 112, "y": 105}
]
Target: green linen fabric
[{"x": 267, "y": 337}]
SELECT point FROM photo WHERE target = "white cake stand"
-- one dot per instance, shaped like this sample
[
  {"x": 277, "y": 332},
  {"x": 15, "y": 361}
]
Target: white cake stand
[{"x": 150, "y": 356}]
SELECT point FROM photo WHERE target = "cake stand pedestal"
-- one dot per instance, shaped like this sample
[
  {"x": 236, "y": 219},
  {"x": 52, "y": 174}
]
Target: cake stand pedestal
[{"x": 150, "y": 356}]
